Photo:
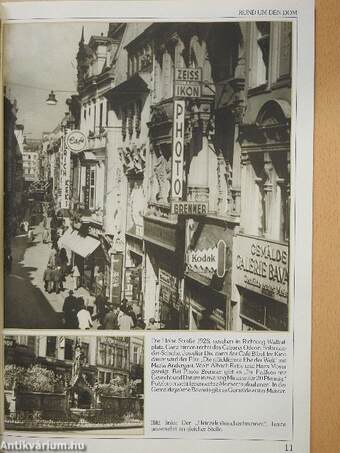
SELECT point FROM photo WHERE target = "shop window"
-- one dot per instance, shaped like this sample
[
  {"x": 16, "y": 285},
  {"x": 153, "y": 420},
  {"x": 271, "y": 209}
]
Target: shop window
[
  {"x": 68, "y": 349},
  {"x": 51, "y": 347}
]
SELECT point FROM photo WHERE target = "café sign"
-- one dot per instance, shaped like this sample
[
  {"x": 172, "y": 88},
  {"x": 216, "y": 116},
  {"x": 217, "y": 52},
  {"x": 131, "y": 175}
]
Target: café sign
[
  {"x": 76, "y": 141},
  {"x": 261, "y": 266}
]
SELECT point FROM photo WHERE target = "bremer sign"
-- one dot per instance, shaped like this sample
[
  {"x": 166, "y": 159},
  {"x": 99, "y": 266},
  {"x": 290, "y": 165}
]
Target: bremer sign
[
  {"x": 76, "y": 141},
  {"x": 261, "y": 266},
  {"x": 188, "y": 82},
  {"x": 178, "y": 150}
]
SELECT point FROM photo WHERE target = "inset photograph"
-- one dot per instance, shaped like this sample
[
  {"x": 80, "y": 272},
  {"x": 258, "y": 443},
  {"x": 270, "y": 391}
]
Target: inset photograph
[{"x": 74, "y": 384}]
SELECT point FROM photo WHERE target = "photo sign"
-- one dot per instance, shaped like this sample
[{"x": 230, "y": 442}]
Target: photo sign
[
  {"x": 261, "y": 266},
  {"x": 178, "y": 149}
]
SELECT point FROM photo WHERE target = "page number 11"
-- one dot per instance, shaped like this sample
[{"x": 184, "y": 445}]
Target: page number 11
[{"x": 288, "y": 447}]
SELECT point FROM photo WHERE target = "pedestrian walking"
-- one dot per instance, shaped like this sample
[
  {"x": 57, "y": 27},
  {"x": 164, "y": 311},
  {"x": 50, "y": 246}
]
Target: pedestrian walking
[
  {"x": 51, "y": 258},
  {"x": 125, "y": 321},
  {"x": 84, "y": 317},
  {"x": 75, "y": 277},
  {"x": 45, "y": 236},
  {"x": 30, "y": 234},
  {"x": 132, "y": 314},
  {"x": 140, "y": 324},
  {"x": 56, "y": 278},
  {"x": 152, "y": 324},
  {"x": 47, "y": 277},
  {"x": 70, "y": 311},
  {"x": 25, "y": 225},
  {"x": 101, "y": 307},
  {"x": 110, "y": 321}
]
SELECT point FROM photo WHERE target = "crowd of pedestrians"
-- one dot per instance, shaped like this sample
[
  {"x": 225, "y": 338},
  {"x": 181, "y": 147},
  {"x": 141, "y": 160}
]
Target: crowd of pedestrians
[{"x": 80, "y": 311}]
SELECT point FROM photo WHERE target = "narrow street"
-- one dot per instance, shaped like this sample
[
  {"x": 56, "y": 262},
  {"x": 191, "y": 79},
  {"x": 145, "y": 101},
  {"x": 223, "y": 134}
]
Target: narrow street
[{"x": 28, "y": 305}]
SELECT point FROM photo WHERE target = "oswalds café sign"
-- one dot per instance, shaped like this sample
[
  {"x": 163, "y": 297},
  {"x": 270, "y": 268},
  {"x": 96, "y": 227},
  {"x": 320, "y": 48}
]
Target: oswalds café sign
[{"x": 262, "y": 266}]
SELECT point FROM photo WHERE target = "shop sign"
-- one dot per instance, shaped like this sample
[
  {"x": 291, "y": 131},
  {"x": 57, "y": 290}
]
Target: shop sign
[
  {"x": 133, "y": 284},
  {"x": 189, "y": 208},
  {"x": 177, "y": 149},
  {"x": 87, "y": 187},
  {"x": 168, "y": 288},
  {"x": 261, "y": 266},
  {"x": 160, "y": 234},
  {"x": 76, "y": 140},
  {"x": 202, "y": 261},
  {"x": 208, "y": 261},
  {"x": 65, "y": 177},
  {"x": 188, "y": 82},
  {"x": 116, "y": 278}
]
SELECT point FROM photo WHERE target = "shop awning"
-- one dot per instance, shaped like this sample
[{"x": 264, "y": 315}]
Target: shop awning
[{"x": 80, "y": 245}]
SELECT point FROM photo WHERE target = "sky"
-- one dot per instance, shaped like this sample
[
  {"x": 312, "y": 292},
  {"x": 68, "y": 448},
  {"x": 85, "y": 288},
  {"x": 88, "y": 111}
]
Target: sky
[{"x": 42, "y": 56}]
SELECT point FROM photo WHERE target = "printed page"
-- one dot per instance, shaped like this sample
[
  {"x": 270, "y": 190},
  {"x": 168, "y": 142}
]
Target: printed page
[{"x": 157, "y": 219}]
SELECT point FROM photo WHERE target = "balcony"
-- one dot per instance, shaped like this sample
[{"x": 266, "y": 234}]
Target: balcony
[{"x": 97, "y": 139}]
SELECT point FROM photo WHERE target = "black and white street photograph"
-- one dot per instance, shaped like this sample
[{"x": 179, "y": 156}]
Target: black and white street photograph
[
  {"x": 74, "y": 384},
  {"x": 147, "y": 178}
]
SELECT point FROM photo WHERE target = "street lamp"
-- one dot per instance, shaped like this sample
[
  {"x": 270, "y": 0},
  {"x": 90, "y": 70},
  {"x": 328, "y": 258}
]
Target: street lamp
[{"x": 51, "y": 100}]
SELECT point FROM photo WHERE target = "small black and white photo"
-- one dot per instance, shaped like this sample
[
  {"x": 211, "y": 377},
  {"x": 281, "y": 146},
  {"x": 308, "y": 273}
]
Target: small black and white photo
[
  {"x": 74, "y": 384},
  {"x": 148, "y": 175}
]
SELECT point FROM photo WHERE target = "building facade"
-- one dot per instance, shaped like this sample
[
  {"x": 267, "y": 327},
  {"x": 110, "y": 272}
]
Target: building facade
[
  {"x": 180, "y": 201},
  {"x": 103, "y": 358},
  {"x": 261, "y": 249}
]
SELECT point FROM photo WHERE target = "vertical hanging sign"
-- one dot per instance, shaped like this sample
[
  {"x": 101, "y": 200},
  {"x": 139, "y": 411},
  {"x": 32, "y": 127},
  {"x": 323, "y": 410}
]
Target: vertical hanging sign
[
  {"x": 65, "y": 175},
  {"x": 178, "y": 150}
]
